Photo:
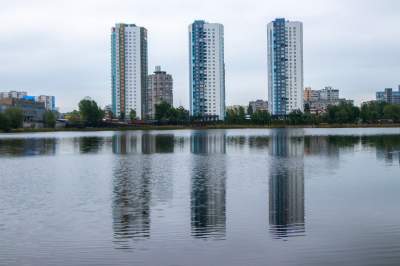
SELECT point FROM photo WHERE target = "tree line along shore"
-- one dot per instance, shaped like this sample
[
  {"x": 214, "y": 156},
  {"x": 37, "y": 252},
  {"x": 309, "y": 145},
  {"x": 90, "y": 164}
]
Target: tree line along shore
[{"x": 90, "y": 117}]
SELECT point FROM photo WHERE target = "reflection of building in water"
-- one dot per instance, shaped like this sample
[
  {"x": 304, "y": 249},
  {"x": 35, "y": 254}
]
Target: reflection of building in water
[
  {"x": 28, "y": 147},
  {"x": 129, "y": 143},
  {"x": 202, "y": 142},
  {"x": 126, "y": 143},
  {"x": 208, "y": 218},
  {"x": 286, "y": 184},
  {"x": 131, "y": 200}
]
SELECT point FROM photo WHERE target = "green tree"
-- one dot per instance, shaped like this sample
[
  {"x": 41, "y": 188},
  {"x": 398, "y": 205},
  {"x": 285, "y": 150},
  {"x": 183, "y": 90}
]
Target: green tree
[
  {"x": 372, "y": 112},
  {"x": 49, "y": 119},
  {"x": 235, "y": 116},
  {"x": 261, "y": 118},
  {"x": 4, "y": 122},
  {"x": 132, "y": 115},
  {"x": 162, "y": 110},
  {"x": 250, "y": 110},
  {"x": 90, "y": 112},
  {"x": 392, "y": 111},
  {"x": 242, "y": 115},
  {"x": 183, "y": 114},
  {"x": 296, "y": 117},
  {"x": 15, "y": 117},
  {"x": 74, "y": 119},
  {"x": 342, "y": 113}
]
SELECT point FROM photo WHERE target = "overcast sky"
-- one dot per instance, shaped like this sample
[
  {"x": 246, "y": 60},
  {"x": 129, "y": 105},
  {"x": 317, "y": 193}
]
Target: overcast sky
[{"x": 62, "y": 48}]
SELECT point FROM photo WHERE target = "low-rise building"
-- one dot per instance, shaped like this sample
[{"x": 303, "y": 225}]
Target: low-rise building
[
  {"x": 13, "y": 94},
  {"x": 329, "y": 94},
  {"x": 49, "y": 102},
  {"x": 310, "y": 95},
  {"x": 317, "y": 101},
  {"x": 388, "y": 96},
  {"x": 33, "y": 111},
  {"x": 258, "y": 105}
]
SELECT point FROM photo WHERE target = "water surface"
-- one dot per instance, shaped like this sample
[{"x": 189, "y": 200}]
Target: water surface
[{"x": 215, "y": 197}]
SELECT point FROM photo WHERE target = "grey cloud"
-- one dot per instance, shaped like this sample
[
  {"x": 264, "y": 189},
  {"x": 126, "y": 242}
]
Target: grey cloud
[{"x": 62, "y": 47}]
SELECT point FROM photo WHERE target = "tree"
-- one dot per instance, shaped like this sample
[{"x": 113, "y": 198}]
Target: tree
[
  {"x": 4, "y": 122},
  {"x": 49, "y": 119},
  {"x": 392, "y": 111},
  {"x": 74, "y": 119},
  {"x": 261, "y": 118},
  {"x": 15, "y": 117},
  {"x": 182, "y": 114},
  {"x": 242, "y": 115},
  {"x": 372, "y": 112},
  {"x": 342, "y": 113},
  {"x": 250, "y": 110},
  {"x": 235, "y": 116},
  {"x": 162, "y": 110},
  {"x": 132, "y": 115},
  {"x": 90, "y": 112},
  {"x": 296, "y": 117}
]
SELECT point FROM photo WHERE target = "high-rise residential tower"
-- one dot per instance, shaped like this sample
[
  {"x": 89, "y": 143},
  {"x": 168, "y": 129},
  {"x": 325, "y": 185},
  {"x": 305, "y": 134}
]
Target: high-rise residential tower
[
  {"x": 128, "y": 70},
  {"x": 159, "y": 90},
  {"x": 285, "y": 66},
  {"x": 207, "y": 70}
]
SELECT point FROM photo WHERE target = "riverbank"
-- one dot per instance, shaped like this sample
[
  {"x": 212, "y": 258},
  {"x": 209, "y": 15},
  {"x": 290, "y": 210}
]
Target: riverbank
[{"x": 196, "y": 127}]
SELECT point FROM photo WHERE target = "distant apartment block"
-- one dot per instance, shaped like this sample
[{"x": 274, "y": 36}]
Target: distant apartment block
[
  {"x": 160, "y": 87},
  {"x": 310, "y": 95},
  {"x": 389, "y": 96},
  {"x": 33, "y": 111},
  {"x": 329, "y": 94},
  {"x": 49, "y": 102},
  {"x": 317, "y": 101},
  {"x": 285, "y": 66},
  {"x": 259, "y": 105},
  {"x": 13, "y": 94},
  {"x": 207, "y": 70},
  {"x": 128, "y": 70}
]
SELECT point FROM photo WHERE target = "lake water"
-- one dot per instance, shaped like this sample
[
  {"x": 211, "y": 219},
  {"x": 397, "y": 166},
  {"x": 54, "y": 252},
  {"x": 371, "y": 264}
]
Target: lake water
[{"x": 215, "y": 197}]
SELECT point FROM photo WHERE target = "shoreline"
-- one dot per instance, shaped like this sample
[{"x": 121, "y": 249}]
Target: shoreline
[{"x": 172, "y": 127}]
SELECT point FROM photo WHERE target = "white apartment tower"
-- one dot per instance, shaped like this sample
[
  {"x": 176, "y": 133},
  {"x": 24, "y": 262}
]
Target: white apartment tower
[
  {"x": 207, "y": 70},
  {"x": 128, "y": 70},
  {"x": 285, "y": 66}
]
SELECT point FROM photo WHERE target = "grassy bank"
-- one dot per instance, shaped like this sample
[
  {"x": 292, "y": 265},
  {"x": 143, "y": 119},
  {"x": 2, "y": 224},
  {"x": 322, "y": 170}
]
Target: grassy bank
[{"x": 221, "y": 126}]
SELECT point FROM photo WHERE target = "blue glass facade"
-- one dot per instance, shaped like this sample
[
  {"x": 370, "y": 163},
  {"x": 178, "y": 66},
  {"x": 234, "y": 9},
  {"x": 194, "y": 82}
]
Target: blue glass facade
[
  {"x": 278, "y": 44},
  {"x": 198, "y": 71},
  {"x": 113, "y": 72}
]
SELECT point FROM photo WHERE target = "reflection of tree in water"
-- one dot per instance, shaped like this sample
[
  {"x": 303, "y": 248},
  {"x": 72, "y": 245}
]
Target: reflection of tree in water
[
  {"x": 28, "y": 147},
  {"x": 387, "y": 146},
  {"x": 90, "y": 144},
  {"x": 236, "y": 141},
  {"x": 329, "y": 145},
  {"x": 157, "y": 143},
  {"x": 286, "y": 185},
  {"x": 131, "y": 200},
  {"x": 259, "y": 142},
  {"x": 208, "y": 217}
]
